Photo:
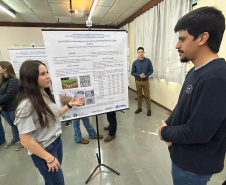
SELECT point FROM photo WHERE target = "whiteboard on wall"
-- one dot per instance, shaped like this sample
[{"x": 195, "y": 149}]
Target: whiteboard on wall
[
  {"x": 91, "y": 64},
  {"x": 20, "y": 54}
]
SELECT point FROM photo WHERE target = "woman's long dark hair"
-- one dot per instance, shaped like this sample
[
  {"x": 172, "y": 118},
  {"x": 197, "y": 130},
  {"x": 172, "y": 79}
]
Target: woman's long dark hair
[
  {"x": 10, "y": 71},
  {"x": 29, "y": 88}
]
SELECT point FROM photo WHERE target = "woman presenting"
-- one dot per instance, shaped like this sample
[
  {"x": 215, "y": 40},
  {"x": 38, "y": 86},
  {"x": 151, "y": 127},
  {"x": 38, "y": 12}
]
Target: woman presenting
[{"x": 37, "y": 118}]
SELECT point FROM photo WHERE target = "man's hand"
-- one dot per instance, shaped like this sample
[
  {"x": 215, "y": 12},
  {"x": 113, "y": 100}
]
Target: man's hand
[
  {"x": 142, "y": 75},
  {"x": 160, "y": 136}
]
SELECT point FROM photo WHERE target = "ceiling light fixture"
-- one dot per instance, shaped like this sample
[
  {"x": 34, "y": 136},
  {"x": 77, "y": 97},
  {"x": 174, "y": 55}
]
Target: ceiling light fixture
[
  {"x": 71, "y": 11},
  {"x": 92, "y": 9},
  {"x": 9, "y": 12}
]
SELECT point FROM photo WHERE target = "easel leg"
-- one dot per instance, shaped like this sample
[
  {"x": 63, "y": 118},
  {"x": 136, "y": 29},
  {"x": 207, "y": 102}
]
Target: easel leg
[{"x": 99, "y": 156}]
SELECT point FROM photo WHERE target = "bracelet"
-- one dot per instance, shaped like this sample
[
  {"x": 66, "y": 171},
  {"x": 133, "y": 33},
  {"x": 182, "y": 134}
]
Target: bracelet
[
  {"x": 69, "y": 106},
  {"x": 52, "y": 161}
]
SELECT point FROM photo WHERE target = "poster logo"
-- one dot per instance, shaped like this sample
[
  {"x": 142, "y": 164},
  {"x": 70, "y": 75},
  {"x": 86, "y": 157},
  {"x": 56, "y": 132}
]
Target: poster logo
[
  {"x": 119, "y": 106},
  {"x": 65, "y": 117},
  {"x": 108, "y": 108},
  {"x": 96, "y": 111},
  {"x": 189, "y": 89}
]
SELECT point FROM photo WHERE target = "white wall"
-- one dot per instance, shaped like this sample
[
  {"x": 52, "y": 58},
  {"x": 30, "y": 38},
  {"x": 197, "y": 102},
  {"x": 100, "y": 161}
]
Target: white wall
[
  {"x": 9, "y": 36},
  {"x": 0, "y": 55}
]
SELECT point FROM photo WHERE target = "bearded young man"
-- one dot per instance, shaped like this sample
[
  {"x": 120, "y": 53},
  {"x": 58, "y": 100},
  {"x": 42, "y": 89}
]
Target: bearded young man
[{"x": 196, "y": 130}]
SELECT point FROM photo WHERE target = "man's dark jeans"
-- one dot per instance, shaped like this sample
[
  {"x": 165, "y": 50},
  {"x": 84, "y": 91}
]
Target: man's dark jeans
[{"x": 111, "y": 117}]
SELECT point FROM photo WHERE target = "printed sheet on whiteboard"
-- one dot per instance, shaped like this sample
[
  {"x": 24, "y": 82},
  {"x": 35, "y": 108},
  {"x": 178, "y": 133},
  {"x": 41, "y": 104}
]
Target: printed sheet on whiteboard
[
  {"x": 20, "y": 54},
  {"x": 90, "y": 64}
]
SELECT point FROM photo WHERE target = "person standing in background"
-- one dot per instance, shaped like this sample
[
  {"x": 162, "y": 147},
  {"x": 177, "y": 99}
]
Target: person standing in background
[
  {"x": 9, "y": 86},
  {"x": 88, "y": 126},
  {"x": 112, "y": 127},
  {"x": 68, "y": 123},
  {"x": 141, "y": 70}
]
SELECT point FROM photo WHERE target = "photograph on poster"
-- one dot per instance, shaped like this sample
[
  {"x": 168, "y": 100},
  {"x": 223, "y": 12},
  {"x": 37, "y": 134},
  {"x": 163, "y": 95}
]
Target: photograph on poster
[
  {"x": 80, "y": 94},
  {"x": 85, "y": 81},
  {"x": 64, "y": 99},
  {"x": 69, "y": 82},
  {"x": 90, "y": 101},
  {"x": 89, "y": 93}
]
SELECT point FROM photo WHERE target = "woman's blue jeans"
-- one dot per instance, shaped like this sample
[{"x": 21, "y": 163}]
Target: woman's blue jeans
[
  {"x": 51, "y": 178},
  {"x": 181, "y": 177},
  {"x": 89, "y": 127},
  {"x": 2, "y": 132},
  {"x": 10, "y": 117}
]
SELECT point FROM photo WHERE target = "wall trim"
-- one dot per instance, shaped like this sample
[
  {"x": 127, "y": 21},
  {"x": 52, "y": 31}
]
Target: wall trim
[{"x": 156, "y": 102}]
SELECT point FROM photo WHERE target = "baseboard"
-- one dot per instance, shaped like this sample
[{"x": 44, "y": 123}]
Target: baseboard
[{"x": 156, "y": 102}]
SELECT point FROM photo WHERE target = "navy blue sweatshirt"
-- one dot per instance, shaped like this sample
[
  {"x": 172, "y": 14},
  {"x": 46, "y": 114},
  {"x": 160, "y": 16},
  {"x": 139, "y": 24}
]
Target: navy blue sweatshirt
[{"x": 197, "y": 126}]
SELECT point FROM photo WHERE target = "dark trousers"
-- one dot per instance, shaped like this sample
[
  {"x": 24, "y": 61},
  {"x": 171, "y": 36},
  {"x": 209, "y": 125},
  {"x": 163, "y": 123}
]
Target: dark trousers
[
  {"x": 2, "y": 132},
  {"x": 111, "y": 117},
  {"x": 182, "y": 177},
  {"x": 10, "y": 117},
  {"x": 51, "y": 178}
]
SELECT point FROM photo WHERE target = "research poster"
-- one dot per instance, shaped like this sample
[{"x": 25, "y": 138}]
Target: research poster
[
  {"x": 90, "y": 64},
  {"x": 20, "y": 54}
]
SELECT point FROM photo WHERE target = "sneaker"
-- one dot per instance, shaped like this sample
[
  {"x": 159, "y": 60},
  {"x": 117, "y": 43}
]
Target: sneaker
[
  {"x": 13, "y": 142},
  {"x": 68, "y": 124},
  {"x": 138, "y": 111},
  {"x": 20, "y": 147},
  {"x": 149, "y": 113}
]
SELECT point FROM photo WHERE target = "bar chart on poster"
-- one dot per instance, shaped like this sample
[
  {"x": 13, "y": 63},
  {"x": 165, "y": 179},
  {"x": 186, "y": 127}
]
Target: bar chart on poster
[{"x": 90, "y": 64}]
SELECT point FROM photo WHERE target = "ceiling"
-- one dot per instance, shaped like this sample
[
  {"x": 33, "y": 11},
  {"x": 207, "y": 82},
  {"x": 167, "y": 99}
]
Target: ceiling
[{"x": 48, "y": 13}]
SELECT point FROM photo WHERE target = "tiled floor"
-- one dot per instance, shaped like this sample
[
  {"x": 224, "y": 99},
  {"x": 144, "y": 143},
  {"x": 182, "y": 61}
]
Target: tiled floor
[{"x": 137, "y": 153}]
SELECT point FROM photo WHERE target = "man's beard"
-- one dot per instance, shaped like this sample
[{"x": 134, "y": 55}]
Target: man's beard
[{"x": 184, "y": 60}]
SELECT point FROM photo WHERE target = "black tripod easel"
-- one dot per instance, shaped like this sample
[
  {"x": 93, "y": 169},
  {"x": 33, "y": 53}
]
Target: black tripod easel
[{"x": 99, "y": 156}]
